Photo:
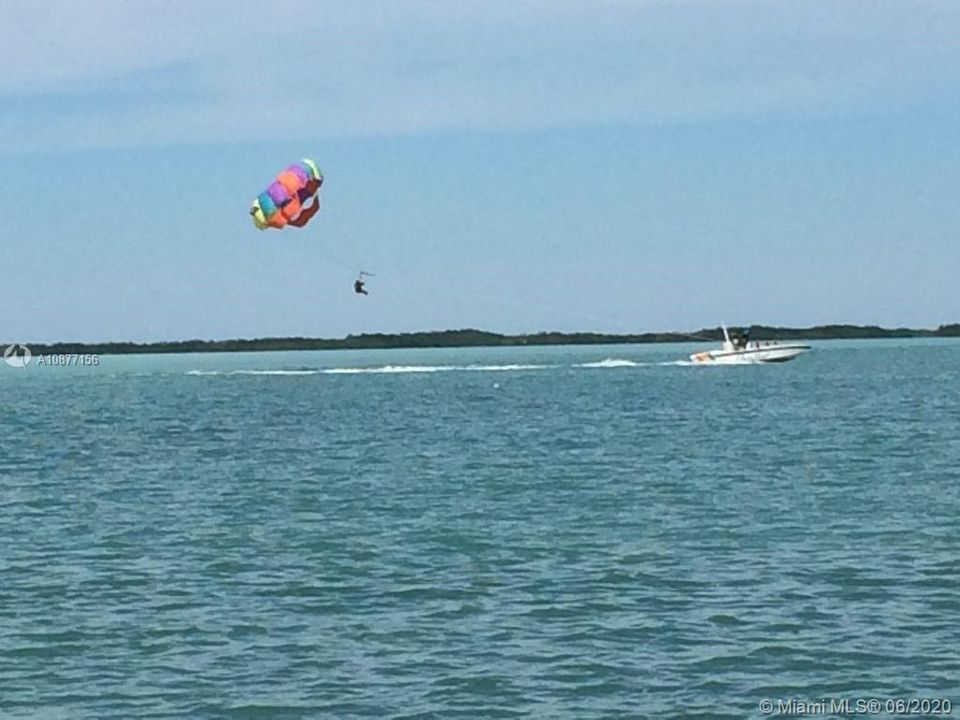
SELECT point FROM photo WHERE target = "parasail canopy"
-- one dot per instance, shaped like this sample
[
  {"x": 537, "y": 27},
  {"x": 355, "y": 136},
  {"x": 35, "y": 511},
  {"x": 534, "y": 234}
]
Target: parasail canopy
[{"x": 284, "y": 202}]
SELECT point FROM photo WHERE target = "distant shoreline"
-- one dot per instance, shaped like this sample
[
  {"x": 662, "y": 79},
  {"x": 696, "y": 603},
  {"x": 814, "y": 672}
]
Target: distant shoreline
[{"x": 479, "y": 338}]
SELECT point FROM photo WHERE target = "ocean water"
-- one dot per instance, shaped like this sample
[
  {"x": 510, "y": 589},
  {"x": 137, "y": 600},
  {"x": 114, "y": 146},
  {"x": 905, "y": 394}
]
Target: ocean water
[{"x": 566, "y": 532}]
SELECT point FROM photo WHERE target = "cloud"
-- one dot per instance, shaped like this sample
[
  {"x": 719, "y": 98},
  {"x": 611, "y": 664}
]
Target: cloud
[{"x": 134, "y": 73}]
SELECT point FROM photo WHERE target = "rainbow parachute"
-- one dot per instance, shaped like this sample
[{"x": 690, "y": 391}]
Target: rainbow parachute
[{"x": 284, "y": 202}]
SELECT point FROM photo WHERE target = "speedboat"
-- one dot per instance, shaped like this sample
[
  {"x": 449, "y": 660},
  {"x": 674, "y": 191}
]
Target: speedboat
[{"x": 741, "y": 350}]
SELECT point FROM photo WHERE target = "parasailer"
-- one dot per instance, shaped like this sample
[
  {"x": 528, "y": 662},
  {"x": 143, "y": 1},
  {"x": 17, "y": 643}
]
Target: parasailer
[
  {"x": 292, "y": 199},
  {"x": 284, "y": 202},
  {"x": 359, "y": 283}
]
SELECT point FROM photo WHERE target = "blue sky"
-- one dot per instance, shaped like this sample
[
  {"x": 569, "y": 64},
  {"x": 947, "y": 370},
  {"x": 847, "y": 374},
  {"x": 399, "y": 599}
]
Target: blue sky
[{"x": 516, "y": 167}]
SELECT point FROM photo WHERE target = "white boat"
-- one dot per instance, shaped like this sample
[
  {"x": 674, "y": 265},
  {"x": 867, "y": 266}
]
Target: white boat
[{"x": 741, "y": 350}]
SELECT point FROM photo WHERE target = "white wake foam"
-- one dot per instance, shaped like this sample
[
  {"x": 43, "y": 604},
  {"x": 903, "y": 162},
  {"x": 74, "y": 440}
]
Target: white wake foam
[
  {"x": 611, "y": 363},
  {"x": 380, "y": 370},
  {"x": 253, "y": 372},
  {"x": 500, "y": 368},
  {"x": 388, "y": 369}
]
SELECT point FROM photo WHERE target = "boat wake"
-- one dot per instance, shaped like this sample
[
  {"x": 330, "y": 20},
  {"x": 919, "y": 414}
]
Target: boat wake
[
  {"x": 607, "y": 364},
  {"x": 399, "y": 369},
  {"x": 378, "y": 370},
  {"x": 612, "y": 363},
  {"x": 253, "y": 372}
]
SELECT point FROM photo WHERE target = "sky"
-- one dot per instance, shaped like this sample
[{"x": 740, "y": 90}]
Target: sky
[{"x": 515, "y": 167}]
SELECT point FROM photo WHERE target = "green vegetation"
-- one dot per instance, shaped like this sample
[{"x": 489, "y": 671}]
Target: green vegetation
[{"x": 477, "y": 338}]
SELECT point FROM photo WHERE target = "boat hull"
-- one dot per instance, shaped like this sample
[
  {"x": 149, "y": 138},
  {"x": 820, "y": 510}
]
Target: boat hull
[{"x": 749, "y": 356}]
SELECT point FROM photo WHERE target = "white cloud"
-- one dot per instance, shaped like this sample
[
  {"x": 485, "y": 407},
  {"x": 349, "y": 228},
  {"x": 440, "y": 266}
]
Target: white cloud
[{"x": 156, "y": 72}]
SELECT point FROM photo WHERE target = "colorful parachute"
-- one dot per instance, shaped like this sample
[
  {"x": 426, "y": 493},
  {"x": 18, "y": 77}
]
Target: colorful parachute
[{"x": 282, "y": 203}]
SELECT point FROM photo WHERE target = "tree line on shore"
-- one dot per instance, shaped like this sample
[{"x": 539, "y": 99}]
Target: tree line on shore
[{"x": 480, "y": 338}]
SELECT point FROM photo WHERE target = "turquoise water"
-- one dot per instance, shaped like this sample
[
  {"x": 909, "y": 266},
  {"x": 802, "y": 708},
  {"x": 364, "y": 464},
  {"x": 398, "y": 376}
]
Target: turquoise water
[{"x": 525, "y": 532}]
